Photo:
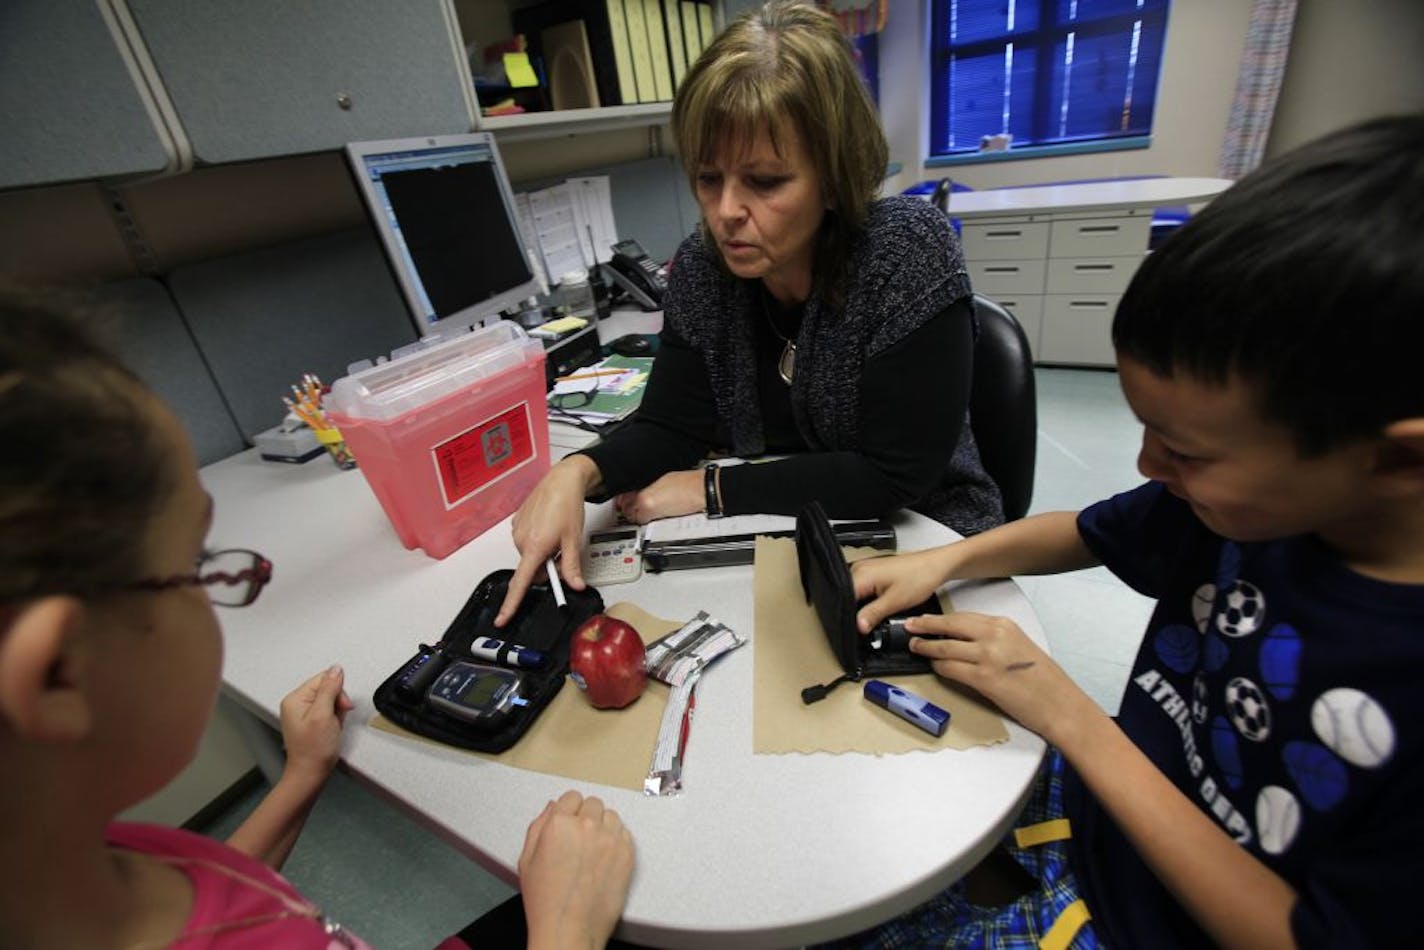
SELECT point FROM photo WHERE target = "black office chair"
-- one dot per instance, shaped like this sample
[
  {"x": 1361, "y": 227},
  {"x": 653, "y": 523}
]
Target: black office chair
[{"x": 1003, "y": 405}]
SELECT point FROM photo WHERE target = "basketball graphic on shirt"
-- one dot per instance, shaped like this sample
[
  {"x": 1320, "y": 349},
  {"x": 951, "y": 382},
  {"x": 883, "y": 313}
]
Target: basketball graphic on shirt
[
  {"x": 1277, "y": 819},
  {"x": 1202, "y": 602},
  {"x": 1200, "y": 700},
  {"x": 1353, "y": 726},
  {"x": 1226, "y": 752},
  {"x": 1248, "y": 708},
  {"x": 1320, "y": 777},
  {"x": 1280, "y": 661},
  {"x": 1242, "y": 608},
  {"x": 1178, "y": 647}
]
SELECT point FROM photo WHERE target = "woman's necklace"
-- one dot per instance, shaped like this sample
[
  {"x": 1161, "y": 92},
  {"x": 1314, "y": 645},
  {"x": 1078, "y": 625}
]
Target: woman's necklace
[
  {"x": 786, "y": 366},
  {"x": 291, "y": 907}
]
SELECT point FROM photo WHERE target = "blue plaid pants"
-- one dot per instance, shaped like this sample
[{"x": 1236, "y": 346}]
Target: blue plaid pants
[{"x": 1052, "y": 917}]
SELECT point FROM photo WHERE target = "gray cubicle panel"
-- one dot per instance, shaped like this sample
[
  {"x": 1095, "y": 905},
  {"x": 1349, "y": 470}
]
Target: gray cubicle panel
[
  {"x": 652, "y": 203},
  {"x": 251, "y": 80},
  {"x": 263, "y": 318},
  {"x": 152, "y": 339},
  {"x": 70, "y": 105}
]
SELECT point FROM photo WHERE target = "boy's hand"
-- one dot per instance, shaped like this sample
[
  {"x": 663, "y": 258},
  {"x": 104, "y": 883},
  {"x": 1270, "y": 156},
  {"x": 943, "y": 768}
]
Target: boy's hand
[
  {"x": 574, "y": 873},
  {"x": 311, "y": 724},
  {"x": 992, "y": 655},
  {"x": 897, "y": 583}
]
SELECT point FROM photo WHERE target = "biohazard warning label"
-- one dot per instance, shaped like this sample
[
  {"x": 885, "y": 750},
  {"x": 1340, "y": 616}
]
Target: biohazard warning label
[{"x": 475, "y": 459}]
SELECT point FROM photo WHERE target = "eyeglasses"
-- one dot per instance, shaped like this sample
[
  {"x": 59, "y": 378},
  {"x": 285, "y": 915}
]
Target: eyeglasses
[
  {"x": 233, "y": 577},
  {"x": 573, "y": 400}
]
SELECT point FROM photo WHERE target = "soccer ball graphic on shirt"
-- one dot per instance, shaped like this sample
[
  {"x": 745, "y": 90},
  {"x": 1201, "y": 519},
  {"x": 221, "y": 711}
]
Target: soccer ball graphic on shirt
[
  {"x": 1248, "y": 708},
  {"x": 1242, "y": 609}
]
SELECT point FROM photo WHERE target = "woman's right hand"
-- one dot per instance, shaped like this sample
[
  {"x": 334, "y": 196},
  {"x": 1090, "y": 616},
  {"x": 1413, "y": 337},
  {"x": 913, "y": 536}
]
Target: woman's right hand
[
  {"x": 550, "y": 521},
  {"x": 896, "y": 583}
]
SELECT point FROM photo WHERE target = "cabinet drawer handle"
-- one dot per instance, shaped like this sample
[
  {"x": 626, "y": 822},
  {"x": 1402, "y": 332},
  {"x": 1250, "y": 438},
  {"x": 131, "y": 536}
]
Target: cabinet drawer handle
[
  {"x": 1099, "y": 228},
  {"x": 1001, "y": 270},
  {"x": 1003, "y": 234},
  {"x": 1088, "y": 304},
  {"x": 1094, "y": 267}
]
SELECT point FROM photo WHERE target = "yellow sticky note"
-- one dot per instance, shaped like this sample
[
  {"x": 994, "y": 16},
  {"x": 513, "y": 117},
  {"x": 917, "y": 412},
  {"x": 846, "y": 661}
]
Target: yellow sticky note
[{"x": 518, "y": 71}]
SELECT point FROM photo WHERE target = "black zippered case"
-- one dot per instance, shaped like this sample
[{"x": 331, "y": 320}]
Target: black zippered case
[
  {"x": 827, "y": 584},
  {"x": 539, "y": 623}
]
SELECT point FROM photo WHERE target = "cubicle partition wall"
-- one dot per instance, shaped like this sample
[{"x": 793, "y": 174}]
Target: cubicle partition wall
[{"x": 222, "y": 340}]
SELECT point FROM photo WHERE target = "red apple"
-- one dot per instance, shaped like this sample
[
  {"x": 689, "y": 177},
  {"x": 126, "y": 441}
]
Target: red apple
[{"x": 606, "y": 661}]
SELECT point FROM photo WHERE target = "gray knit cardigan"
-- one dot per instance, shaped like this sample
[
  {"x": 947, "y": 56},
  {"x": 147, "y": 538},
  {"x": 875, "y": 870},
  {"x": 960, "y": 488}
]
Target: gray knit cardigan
[{"x": 906, "y": 268}]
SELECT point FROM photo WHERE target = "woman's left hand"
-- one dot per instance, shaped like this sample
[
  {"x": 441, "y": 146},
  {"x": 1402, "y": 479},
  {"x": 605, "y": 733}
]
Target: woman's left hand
[
  {"x": 993, "y": 656},
  {"x": 676, "y": 493}
]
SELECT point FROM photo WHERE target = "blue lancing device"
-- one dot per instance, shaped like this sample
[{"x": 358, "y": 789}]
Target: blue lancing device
[{"x": 915, "y": 710}]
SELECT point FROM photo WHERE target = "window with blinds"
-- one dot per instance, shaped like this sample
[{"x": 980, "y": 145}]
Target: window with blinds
[{"x": 1035, "y": 74}]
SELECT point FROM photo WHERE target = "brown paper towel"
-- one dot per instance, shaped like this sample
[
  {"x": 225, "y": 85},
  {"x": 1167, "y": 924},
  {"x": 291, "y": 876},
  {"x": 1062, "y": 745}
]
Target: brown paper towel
[
  {"x": 790, "y": 652},
  {"x": 577, "y": 741}
]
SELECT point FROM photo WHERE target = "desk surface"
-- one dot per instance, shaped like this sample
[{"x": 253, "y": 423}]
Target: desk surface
[
  {"x": 1087, "y": 196},
  {"x": 758, "y": 850}
]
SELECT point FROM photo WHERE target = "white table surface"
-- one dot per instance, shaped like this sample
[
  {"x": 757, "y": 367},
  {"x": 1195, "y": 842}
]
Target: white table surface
[
  {"x": 757, "y": 851},
  {"x": 1088, "y": 196}
]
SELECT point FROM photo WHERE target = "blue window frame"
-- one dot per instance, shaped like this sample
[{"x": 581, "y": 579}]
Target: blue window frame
[{"x": 1050, "y": 73}]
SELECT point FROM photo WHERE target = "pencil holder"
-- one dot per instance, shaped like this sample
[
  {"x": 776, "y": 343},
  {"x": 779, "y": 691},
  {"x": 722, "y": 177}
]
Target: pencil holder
[{"x": 336, "y": 447}]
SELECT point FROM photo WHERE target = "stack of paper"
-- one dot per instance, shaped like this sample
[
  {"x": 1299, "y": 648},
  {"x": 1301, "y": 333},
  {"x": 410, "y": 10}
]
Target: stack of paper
[{"x": 605, "y": 392}]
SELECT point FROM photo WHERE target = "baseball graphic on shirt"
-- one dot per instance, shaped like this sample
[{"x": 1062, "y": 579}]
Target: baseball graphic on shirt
[
  {"x": 1242, "y": 607},
  {"x": 1202, "y": 602},
  {"x": 1280, "y": 660},
  {"x": 1277, "y": 819},
  {"x": 1248, "y": 708},
  {"x": 1201, "y": 701},
  {"x": 1353, "y": 726}
]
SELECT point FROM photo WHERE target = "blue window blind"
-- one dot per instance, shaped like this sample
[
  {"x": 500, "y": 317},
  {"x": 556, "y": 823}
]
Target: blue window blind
[{"x": 1047, "y": 72}]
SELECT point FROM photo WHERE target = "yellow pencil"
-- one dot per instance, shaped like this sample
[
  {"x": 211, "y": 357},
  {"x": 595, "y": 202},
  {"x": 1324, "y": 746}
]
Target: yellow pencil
[{"x": 592, "y": 373}]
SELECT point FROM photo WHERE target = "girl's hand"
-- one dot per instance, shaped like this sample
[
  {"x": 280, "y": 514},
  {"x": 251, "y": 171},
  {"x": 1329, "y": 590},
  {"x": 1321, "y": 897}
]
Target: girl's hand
[
  {"x": 676, "y": 493},
  {"x": 312, "y": 715},
  {"x": 574, "y": 873},
  {"x": 993, "y": 656},
  {"x": 897, "y": 583}
]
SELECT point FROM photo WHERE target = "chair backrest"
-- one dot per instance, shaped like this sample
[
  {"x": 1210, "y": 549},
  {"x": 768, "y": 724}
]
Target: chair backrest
[{"x": 1003, "y": 405}]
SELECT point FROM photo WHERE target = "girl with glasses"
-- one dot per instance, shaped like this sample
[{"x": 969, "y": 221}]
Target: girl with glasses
[{"x": 110, "y": 661}]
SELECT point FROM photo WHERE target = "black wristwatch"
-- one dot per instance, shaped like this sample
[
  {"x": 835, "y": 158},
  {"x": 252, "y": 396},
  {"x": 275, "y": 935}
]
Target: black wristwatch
[{"x": 709, "y": 490}]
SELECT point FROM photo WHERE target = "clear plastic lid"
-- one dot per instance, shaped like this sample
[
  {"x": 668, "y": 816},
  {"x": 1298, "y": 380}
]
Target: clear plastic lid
[{"x": 394, "y": 388}]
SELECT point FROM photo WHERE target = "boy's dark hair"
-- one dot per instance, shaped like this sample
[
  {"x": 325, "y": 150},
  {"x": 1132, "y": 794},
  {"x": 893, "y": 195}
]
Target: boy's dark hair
[
  {"x": 1305, "y": 280},
  {"x": 82, "y": 463}
]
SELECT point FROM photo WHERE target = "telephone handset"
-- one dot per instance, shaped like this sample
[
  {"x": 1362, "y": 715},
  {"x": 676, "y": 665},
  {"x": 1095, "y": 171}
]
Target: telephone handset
[{"x": 636, "y": 274}]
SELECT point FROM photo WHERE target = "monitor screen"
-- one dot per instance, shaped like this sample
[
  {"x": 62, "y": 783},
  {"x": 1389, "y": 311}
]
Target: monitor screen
[{"x": 445, "y": 213}]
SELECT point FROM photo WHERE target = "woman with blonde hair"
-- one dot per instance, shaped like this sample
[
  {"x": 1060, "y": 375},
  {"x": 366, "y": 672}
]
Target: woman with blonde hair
[{"x": 803, "y": 317}]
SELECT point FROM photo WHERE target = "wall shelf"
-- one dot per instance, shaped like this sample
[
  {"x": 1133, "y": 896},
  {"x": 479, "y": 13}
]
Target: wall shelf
[{"x": 543, "y": 125}]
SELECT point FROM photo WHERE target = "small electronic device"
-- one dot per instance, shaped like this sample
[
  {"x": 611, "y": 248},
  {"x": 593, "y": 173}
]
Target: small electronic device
[
  {"x": 916, "y": 710},
  {"x": 612, "y": 556},
  {"x": 477, "y": 693},
  {"x": 415, "y": 679},
  {"x": 633, "y": 272}
]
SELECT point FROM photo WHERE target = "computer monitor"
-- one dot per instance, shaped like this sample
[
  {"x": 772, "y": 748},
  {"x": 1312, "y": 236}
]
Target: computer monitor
[{"x": 445, "y": 212}]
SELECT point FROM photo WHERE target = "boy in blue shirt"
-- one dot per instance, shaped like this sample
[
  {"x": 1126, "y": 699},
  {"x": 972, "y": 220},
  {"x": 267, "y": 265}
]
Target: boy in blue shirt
[{"x": 1263, "y": 783}]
